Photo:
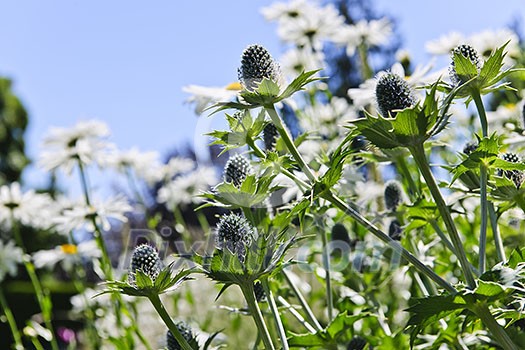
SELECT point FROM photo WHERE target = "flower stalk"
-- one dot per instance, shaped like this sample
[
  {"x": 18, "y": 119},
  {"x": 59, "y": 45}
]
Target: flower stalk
[
  {"x": 161, "y": 310},
  {"x": 418, "y": 152},
  {"x": 255, "y": 311},
  {"x": 11, "y": 321},
  {"x": 275, "y": 313}
]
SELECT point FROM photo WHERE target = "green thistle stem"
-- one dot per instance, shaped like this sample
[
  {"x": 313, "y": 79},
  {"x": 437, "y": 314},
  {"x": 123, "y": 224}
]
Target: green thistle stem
[
  {"x": 275, "y": 313},
  {"x": 287, "y": 138},
  {"x": 484, "y": 221},
  {"x": 43, "y": 299},
  {"x": 296, "y": 314},
  {"x": 483, "y": 184},
  {"x": 396, "y": 247},
  {"x": 11, "y": 321},
  {"x": 328, "y": 277},
  {"x": 366, "y": 71},
  {"x": 161, "y": 310},
  {"x": 259, "y": 153},
  {"x": 418, "y": 152},
  {"x": 403, "y": 169},
  {"x": 276, "y": 119},
  {"x": 497, "y": 331},
  {"x": 309, "y": 313},
  {"x": 255, "y": 311},
  {"x": 500, "y": 251}
]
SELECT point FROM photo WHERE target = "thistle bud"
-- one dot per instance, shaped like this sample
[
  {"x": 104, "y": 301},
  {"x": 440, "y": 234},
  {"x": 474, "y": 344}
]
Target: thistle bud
[
  {"x": 270, "y": 135},
  {"x": 234, "y": 232},
  {"x": 260, "y": 294},
  {"x": 236, "y": 170},
  {"x": 358, "y": 143},
  {"x": 146, "y": 259},
  {"x": 395, "y": 230},
  {"x": 186, "y": 332},
  {"x": 393, "y": 93},
  {"x": 516, "y": 176},
  {"x": 257, "y": 64},
  {"x": 357, "y": 343},
  {"x": 470, "y": 147},
  {"x": 340, "y": 233},
  {"x": 394, "y": 195},
  {"x": 468, "y": 52}
]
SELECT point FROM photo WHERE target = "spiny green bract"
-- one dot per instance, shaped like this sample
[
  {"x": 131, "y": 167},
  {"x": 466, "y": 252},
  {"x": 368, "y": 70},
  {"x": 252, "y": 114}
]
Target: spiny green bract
[
  {"x": 393, "y": 93},
  {"x": 236, "y": 170},
  {"x": 146, "y": 259},
  {"x": 186, "y": 332},
  {"x": 468, "y": 52},
  {"x": 257, "y": 64},
  {"x": 234, "y": 232}
]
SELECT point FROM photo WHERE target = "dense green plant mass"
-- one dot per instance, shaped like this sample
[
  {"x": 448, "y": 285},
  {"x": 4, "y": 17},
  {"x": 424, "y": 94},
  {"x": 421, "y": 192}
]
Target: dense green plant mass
[
  {"x": 13, "y": 122},
  {"x": 388, "y": 219}
]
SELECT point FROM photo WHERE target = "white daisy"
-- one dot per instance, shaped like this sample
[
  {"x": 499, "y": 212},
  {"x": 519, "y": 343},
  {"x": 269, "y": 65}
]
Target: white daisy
[
  {"x": 80, "y": 216},
  {"x": 177, "y": 166},
  {"x": 295, "y": 61},
  {"x": 445, "y": 43},
  {"x": 312, "y": 27},
  {"x": 10, "y": 257},
  {"x": 84, "y": 142},
  {"x": 145, "y": 165},
  {"x": 67, "y": 255},
  {"x": 184, "y": 189},
  {"x": 282, "y": 11},
  {"x": 204, "y": 96},
  {"x": 370, "y": 33},
  {"x": 28, "y": 208}
]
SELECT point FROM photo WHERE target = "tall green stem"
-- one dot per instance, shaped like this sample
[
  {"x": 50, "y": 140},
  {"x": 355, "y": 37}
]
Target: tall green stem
[
  {"x": 483, "y": 184},
  {"x": 11, "y": 321},
  {"x": 287, "y": 138},
  {"x": 403, "y": 169},
  {"x": 275, "y": 313},
  {"x": 296, "y": 314},
  {"x": 396, "y": 247},
  {"x": 161, "y": 310},
  {"x": 328, "y": 195},
  {"x": 247, "y": 291},
  {"x": 484, "y": 217},
  {"x": 418, "y": 152},
  {"x": 366, "y": 71},
  {"x": 44, "y": 301},
  {"x": 302, "y": 301},
  {"x": 497, "y": 331},
  {"x": 500, "y": 251},
  {"x": 328, "y": 278}
]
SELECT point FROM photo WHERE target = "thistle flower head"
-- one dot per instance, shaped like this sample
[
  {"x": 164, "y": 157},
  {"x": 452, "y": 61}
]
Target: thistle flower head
[
  {"x": 395, "y": 230},
  {"x": 146, "y": 259},
  {"x": 270, "y": 135},
  {"x": 234, "y": 232},
  {"x": 236, "y": 170},
  {"x": 394, "y": 195},
  {"x": 340, "y": 233},
  {"x": 187, "y": 333},
  {"x": 470, "y": 147},
  {"x": 517, "y": 176},
  {"x": 392, "y": 93},
  {"x": 357, "y": 343},
  {"x": 358, "y": 143},
  {"x": 468, "y": 52},
  {"x": 257, "y": 64},
  {"x": 260, "y": 294}
]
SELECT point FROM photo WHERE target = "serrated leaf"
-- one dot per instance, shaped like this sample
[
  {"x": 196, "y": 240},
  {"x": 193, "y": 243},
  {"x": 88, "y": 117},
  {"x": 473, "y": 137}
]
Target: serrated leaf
[
  {"x": 298, "y": 83},
  {"x": 142, "y": 280},
  {"x": 492, "y": 66},
  {"x": 488, "y": 289},
  {"x": 464, "y": 67},
  {"x": 377, "y": 130}
]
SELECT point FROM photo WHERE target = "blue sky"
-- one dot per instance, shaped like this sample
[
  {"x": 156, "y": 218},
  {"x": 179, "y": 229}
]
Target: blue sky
[{"x": 125, "y": 63}]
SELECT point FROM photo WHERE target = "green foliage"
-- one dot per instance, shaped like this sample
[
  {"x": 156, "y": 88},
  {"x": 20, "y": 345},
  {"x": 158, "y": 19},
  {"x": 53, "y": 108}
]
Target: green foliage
[{"x": 13, "y": 122}]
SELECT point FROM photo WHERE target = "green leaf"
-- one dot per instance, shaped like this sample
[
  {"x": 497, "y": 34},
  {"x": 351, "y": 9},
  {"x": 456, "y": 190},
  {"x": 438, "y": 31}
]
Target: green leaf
[
  {"x": 491, "y": 68},
  {"x": 464, "y": 67},
  {"x": 298, "y": 83},
  {"x": 488, "y": 289},
  {"x": 377, "y": 130},
  {"x": 142, "y": 280}
]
